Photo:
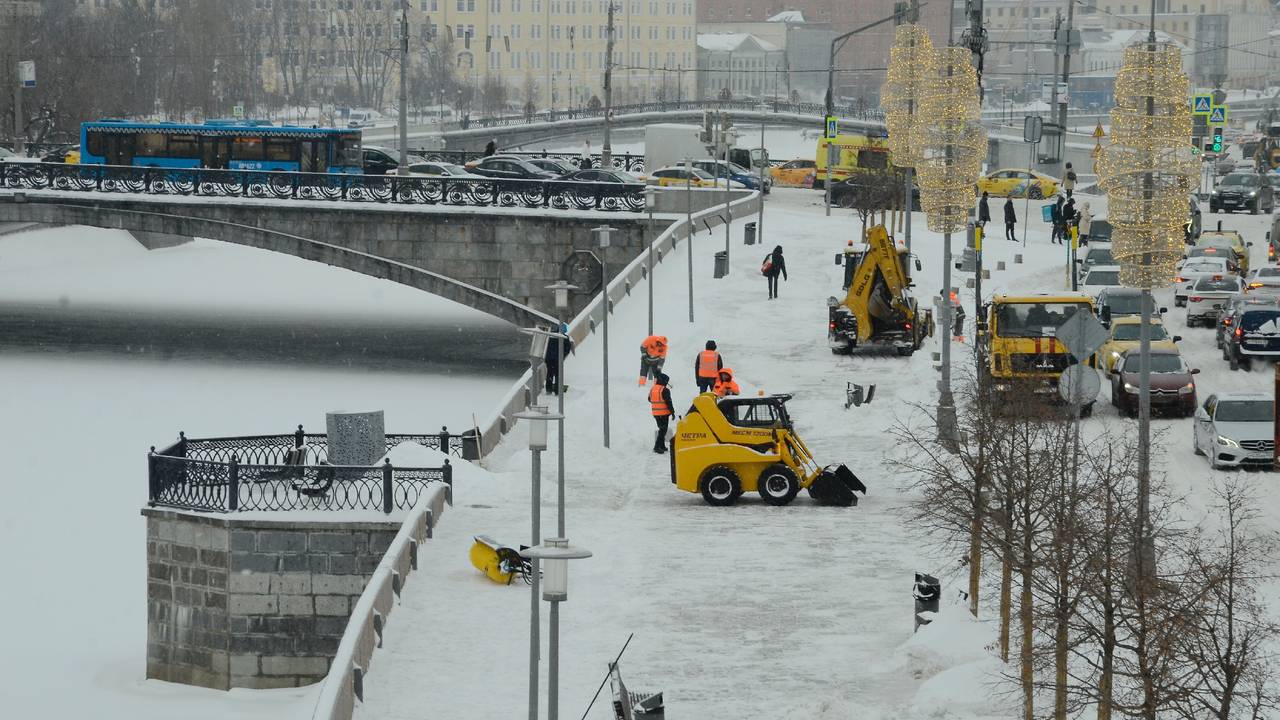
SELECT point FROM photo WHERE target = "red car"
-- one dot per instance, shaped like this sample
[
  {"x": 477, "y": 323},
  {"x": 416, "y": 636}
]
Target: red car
[{"x": 1172, "y": 386}]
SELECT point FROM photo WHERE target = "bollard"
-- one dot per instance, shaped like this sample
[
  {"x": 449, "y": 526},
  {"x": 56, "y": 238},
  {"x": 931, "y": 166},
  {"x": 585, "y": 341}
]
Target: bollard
[
  {"x": 999, "y": 265},
  {"x": 986, "y": 274},
  {"x": 927, "y": 593},
  {"x": 1017, "y": 259}
]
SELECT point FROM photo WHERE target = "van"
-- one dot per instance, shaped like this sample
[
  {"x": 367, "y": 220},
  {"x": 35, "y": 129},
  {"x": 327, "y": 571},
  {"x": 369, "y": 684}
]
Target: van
[{"x": 856, "y": 154}]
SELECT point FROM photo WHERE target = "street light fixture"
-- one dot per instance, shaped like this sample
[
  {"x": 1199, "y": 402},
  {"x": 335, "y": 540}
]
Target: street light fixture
[
  {"x": 602, "y": 234},
  {"x": 557, "y": 552},
  {"x": 560, "y": 289},
  {"x": 538, "y": 417}
]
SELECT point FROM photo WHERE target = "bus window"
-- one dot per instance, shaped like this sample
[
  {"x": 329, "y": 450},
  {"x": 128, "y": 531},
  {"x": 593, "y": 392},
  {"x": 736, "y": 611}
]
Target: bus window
[
  {"x": 246, "y": 148},
  {"x": 95, "y": 143},
  {"x": 151, "y": 144},
  {"x": 312, "y": 156},
  {"x": 281, "y": 150},
  {"x": 347, "y": 152},
  {"x": 186, "y": 147},
  {"x": 214, "y": 152}
]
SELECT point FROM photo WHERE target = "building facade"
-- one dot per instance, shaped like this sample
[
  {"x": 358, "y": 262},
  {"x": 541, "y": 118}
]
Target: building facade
[
  {"x": 737, "y": 66},
  {"x": 803, "y": 45}
]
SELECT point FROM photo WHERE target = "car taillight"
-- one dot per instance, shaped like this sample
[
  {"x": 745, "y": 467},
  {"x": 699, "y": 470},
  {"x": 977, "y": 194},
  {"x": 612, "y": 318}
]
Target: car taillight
[
  {"x": 831, "y": 325},
  {"x": 1194, "y": 298},
  {"x": 908, "y": 326},
  {"x": 1239, "y": 331},
  {"x": 1255, "y": 285},
  {"x": 1226, "y": 321}
]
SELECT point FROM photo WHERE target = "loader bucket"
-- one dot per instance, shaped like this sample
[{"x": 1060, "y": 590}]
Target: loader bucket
[{"x": 836, "y": 485}]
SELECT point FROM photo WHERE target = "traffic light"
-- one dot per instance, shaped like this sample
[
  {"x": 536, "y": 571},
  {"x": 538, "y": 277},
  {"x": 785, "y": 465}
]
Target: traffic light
[{"x": 1216, "y": 144}]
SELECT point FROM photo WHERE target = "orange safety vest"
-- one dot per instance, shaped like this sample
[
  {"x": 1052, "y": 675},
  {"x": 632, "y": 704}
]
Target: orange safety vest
[
  {"x": 723, "y": 388},
  {"x": 655, "y": 346},
  {"x": 708, "y": 364},
  {"x": 657, "y": 404}
]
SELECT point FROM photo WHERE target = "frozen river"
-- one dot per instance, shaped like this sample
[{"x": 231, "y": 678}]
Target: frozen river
[{"x": 107, "y": 349}]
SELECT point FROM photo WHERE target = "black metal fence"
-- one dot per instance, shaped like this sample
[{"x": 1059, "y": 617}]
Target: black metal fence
[
  {"x": 859, "y": 112},
  {"x": 410, "y": 190},
  {"x": 288, "y": 472}
]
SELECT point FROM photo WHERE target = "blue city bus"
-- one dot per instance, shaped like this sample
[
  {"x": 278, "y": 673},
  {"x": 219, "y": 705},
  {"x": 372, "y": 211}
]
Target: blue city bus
[{"x": 221, "y": 144}]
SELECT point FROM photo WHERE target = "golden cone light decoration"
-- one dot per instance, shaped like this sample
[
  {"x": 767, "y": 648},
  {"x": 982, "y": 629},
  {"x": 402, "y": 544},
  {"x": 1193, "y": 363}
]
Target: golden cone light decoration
[
  {"x": 910, "y": 61},
  {"x": 949, "y": 140},
  {"x": 1149, "y": 168}
]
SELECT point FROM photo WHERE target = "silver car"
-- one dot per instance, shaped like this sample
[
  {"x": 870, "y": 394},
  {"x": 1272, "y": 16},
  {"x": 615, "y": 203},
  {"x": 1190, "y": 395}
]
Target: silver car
[
  {"x": 1235, "y": 430},
  {"x": 1208, "y": 295}
]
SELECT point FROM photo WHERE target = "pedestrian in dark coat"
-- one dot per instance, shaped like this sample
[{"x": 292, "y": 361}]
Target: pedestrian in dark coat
[
  {"x": 552, "y": 359},
  {"x": 1068, "y": 219},
  {"x": 1055, "y": 218},
  {"x": 1010, "y": 219},
  {"x": 984, "y": 210},
  {"x": 491, "y": 148},
  {"x": 773, "y": 266}
]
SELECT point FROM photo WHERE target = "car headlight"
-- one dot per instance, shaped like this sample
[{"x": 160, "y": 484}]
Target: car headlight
[
  {"x": 1115, "y": 356},
  {"x": 1130, "y": 387},
  {"x": 1187, "y": 389},
  {"x": 1253, "y": 193},
  {"x": 1227, "y": 442}
]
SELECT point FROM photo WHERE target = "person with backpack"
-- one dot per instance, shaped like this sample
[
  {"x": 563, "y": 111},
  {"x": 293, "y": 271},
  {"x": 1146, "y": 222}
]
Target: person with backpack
[{"x": 773, "y": 266}]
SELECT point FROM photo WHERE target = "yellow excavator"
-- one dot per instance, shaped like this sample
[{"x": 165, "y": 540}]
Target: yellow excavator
[{"x": 877, "y": 309}]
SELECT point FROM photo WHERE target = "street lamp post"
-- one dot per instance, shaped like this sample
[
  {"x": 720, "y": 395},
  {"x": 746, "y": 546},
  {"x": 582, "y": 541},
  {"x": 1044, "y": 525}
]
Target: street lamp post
[
  {"x": 561, "y": 291},
  {"x": 650, "y": 199},
  {"x": 606, "y": 151},
  {"x": 557, "y": 552},
  {"x": 537, "y": 416},
  {"x": 602, "y": 240},
  {"x": 403, "y": 166}
]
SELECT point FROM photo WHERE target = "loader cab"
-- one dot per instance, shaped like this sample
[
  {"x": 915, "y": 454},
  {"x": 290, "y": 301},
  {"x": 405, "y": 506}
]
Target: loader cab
[{"x": 760, "y": 412}]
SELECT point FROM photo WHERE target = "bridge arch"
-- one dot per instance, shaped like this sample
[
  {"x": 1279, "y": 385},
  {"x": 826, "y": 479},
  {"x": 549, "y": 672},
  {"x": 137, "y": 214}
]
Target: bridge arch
[{"x": 52, "y": 212}]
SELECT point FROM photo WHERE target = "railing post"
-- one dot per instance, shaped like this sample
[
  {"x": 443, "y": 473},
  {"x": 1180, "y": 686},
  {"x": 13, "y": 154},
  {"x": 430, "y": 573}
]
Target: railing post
[
  {"x": 297, "y": 180},
  {"x": 151, "y": 477},
  {"x": 386, "y": 487},
  {"x": 444, "y": 439},
  {"x": 233, "y": 484}
]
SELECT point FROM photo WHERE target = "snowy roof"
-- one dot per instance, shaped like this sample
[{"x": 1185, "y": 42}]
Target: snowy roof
[
  {"x": 788, "y": 16},
  {"x": 731, "y": 42}
]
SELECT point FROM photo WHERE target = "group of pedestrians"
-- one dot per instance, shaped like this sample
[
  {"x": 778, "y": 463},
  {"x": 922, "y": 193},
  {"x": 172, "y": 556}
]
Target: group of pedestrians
[
  {"x": 709, "y": 373},
  {"x": 1063, "y": 214}
]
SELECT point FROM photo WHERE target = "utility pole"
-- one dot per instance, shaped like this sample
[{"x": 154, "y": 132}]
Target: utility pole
[
  {"x": 403, "y": 166},
  {"x": 1065, "y": 44},
  {"x": 1144, "y": 560},
  {"x": 19, "y": 127},
  {"x": 606, "y": 152}
]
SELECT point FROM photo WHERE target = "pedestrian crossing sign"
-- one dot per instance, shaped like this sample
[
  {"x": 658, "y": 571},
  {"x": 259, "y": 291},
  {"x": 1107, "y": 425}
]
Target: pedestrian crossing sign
[
  {"x": 1218, "y": 115},
  {"x": 1201, "y": 104},
  {"x": 832, "y": 127}
]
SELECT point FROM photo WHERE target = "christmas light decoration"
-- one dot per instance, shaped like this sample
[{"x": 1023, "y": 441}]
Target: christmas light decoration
[
  {"x": 1149, "y": 169},
  {"x": 949, "y": 139},
  {"x": 910, "y": 62}
]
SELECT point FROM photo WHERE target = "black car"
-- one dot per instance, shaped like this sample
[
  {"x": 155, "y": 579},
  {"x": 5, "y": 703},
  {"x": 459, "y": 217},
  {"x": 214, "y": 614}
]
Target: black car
[
  {"x": 1226, "y": 314},
  {"x": 552, "y": 165},
  {"x": 608, "y": 176},
  {"x": 844, "y": 192},
  {"x": 1255, "y": 332},
  {"x": 58, "y": 154},
  {"x": 1243, "y": 191},
  {"x": 508, "y": 168},
  {"x": 378, "y": 160}
]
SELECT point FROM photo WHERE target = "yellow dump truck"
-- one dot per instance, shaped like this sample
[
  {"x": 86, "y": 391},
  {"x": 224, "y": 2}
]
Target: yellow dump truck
[{"x": 1020, "y": 343}]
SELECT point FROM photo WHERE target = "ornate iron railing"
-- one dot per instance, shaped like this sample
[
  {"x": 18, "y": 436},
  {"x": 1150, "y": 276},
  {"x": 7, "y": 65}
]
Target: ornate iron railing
[
  {"x": 621, "y": 161},
  {"x": 268, "y": 473},
  {"x": 410, "y": 190},
  {"x": 865, "y": 112}
]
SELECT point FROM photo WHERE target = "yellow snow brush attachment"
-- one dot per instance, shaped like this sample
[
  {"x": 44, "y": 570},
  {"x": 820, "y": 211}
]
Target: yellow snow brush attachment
[{"x": 500, "y": 564}]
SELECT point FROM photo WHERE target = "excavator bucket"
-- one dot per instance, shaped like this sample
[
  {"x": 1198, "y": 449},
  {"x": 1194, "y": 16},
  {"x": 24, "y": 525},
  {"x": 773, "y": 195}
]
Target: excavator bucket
[{"x": 836, "y": 485}]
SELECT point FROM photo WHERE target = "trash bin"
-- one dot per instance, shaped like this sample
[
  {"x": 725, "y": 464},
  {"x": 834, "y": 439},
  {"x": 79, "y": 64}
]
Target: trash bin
[
  {"x": 749, "y": 234},
  {"x": 928, "y": 595},
  {"x": 471, "y": 444},
  {"x": 722, "y": 264}
]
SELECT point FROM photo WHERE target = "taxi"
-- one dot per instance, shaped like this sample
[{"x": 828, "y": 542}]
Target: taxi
[
  {"x": 1015, "y": 183},
  {"x": 797, "y": 173},
  {"x": 676, "y": 176},
  {"x": 1124, "y": 335}
]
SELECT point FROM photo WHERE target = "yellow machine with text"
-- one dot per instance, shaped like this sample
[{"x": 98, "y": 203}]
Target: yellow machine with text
[
  {"x": 1020, "y": 343},
  {"x": 877, "y": 309},
  {"x": 724, "y": 448}
]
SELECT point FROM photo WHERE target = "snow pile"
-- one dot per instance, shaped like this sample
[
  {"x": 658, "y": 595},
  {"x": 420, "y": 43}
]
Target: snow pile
[{"x": 953, "y": 655}]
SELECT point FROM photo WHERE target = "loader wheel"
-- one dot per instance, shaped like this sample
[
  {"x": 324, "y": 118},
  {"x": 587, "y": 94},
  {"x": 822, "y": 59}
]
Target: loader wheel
[
  {"x": 720, "y": 486},
  {"x": 778, "y": 485}
]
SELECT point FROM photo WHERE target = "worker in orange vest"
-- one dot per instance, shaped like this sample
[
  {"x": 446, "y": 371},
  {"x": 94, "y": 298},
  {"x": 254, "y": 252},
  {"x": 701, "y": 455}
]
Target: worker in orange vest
[
  {"x": 653, "y": 353},
  {"x": 725, "y": 384},
  {"x": 706, "y": 367},
  {"x": 662, "y": 408}
]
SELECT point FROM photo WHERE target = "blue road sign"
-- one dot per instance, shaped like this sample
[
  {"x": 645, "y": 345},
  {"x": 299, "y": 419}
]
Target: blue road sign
[
  {"x": 1201, "y": 104},
  {"x": 1218, "y": 115}
]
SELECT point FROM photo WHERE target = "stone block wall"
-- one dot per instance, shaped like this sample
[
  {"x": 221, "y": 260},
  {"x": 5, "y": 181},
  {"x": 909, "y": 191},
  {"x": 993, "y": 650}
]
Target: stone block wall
[{"x": 252, "y": 603}]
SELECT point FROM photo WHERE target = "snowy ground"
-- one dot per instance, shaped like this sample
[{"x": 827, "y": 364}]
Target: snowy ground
[
  {"x": 77, "y": 423},
  {"x": 753, "y": 611}
]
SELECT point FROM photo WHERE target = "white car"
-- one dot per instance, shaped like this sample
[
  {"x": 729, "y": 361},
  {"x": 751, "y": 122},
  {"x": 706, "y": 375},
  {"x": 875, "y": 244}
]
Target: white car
[
  {"x": 1100, "y": 276},
  {"x": 1192, "y": 270},
  {"x": 1095, "y": 254},
  {"x": 1266, "y": 278},
  {"x": 1208, "y": 294},
  {"x": 1235, "y": 430}
]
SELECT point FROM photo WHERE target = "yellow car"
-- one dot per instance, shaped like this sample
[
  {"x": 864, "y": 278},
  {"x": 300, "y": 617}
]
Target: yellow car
[
  {"x": 1014, "y": 183},
  {"x": 1241, "y": 248},
  {"x": 797, "y": 173},
  {"x": 1124, "y": 336},
  {"x": 676, "y": 176}
]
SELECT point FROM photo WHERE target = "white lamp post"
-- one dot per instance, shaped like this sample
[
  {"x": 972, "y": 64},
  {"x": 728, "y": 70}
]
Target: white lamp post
[
  {"x": 650, "y": 200},
  {"x": 561, "y": 291},
  {"x": 557, "y": 552},
  {"x": 538, "y": 417}
]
